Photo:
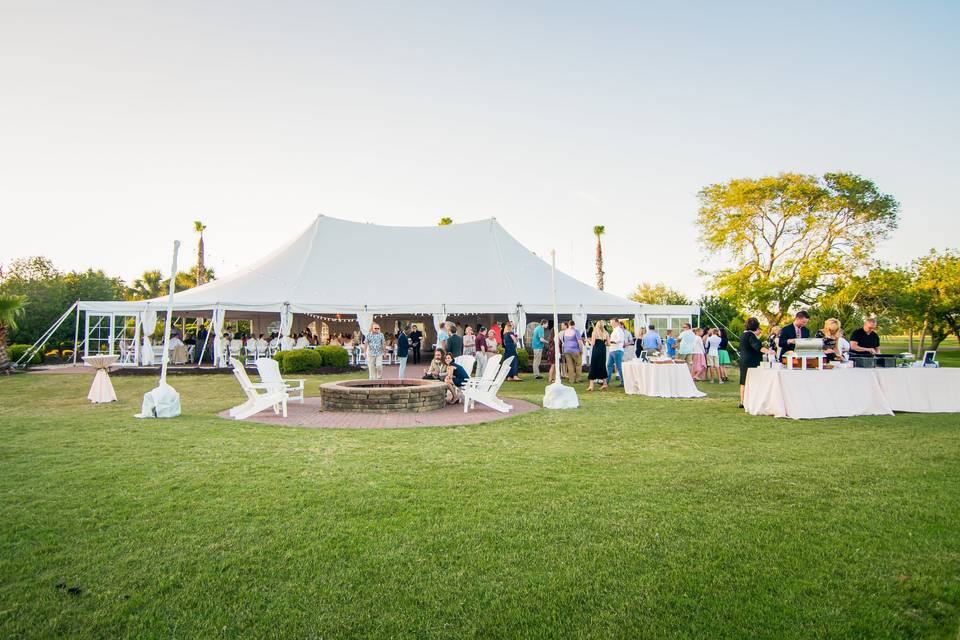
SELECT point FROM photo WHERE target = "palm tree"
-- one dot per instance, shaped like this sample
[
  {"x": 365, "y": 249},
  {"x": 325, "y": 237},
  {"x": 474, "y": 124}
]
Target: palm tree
[
  {"x": 598, "y": 231},
  {"x": 199, "y": 227},
  {"x": 147, "y": 286},
  {"x": 445, "y": 221},
  {"x": 11, "y": 308}
]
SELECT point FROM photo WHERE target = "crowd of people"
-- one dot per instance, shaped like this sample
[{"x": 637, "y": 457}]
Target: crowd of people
[{"x": 602, "y": 345}]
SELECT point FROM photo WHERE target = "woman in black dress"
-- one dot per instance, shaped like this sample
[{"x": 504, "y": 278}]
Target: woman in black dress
[
  {"x": 751, "y": 351},
  {"x": 598, "y": 356},
  {"x": 510, "y": 349}
]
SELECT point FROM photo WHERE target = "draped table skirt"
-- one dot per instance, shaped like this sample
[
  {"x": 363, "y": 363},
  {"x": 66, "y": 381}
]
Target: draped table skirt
[
  {"x": 102, "y": 389},
  {"x": 659, "y": 380}
]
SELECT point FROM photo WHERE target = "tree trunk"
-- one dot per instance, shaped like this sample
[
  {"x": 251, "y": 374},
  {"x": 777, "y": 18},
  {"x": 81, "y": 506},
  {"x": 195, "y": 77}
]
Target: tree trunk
[
  {"x": 4, "y": 358},
  {"x": 923, "y": 337},
  {"x": 910, "y": 339},
  {"x": 599, "y": 264},
  {"x": 201, "y": 268}
]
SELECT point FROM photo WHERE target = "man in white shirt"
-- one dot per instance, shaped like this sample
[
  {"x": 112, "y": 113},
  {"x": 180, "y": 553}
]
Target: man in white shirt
[
  {"x": 302, "y": 342},
  {"x": 687, "y": 339},
  {"x": 615, "y": 351}
]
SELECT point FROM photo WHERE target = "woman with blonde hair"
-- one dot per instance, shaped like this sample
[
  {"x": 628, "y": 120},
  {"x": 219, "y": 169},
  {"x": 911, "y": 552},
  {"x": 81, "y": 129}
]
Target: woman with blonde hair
[{"x": 830, "y": 334}]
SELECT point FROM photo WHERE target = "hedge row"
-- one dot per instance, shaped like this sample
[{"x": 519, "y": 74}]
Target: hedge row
[
  {"x": 16, "y": 351},
  {"x": 307, "y": 360}
]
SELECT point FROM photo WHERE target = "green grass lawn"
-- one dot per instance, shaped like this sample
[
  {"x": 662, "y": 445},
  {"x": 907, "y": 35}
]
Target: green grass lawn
[{"x": 631, "y": 517}]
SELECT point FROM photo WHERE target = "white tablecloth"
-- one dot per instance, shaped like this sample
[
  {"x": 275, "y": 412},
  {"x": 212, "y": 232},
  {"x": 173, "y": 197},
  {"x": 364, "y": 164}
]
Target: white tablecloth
[
  {"x": 102, "y": 389},
  {"x": 659, "y": 380},
  {"x": 921, "y": 390},
  {"x": 814, "y": 394}
]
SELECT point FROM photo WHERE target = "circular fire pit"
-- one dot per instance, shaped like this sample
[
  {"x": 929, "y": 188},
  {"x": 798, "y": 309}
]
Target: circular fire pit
[{"x": 383, "y": 396}]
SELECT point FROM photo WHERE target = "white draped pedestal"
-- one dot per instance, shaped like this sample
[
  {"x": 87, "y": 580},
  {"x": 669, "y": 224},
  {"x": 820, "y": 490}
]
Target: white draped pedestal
[
  {"x": 828, "y": 393},
  {"x": 102, "y": 389},
  {"x": 921, "y": 390},
  {"x": 668, "y": 380}
]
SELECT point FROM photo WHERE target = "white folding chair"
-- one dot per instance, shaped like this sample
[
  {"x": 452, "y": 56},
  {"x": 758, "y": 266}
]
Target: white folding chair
[{"x": 251, "y": 349}]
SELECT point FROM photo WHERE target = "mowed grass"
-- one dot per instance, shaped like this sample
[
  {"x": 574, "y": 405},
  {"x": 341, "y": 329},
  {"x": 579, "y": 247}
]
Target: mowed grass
[{"x": 631, "y": 517}]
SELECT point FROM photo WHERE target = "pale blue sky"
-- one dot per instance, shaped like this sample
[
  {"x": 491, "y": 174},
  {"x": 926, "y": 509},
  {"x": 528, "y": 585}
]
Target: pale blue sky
[{"x": 123, "y": 122}]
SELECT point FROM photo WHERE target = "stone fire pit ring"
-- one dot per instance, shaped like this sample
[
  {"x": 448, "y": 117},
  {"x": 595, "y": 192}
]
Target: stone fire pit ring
[{"x": 383, "y": 396}]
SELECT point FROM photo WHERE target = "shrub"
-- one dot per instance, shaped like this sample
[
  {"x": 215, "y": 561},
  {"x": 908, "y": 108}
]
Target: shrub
[
  {"x": 334, "y": 356},
  {"x": 52, "y": 355},
  {"x": 67, "y": 354},
  {"x": 299, "y": 361},
  {"x": 16, "y": 351},
  {"x": 523, "y": 359}
]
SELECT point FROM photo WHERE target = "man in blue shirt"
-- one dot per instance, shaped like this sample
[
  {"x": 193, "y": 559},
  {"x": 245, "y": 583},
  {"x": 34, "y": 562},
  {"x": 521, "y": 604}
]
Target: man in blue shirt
[
  {"x": 650, "y": 341},
  {"x": 538, "y": 345},
  {"x": 671, "y": 344}
]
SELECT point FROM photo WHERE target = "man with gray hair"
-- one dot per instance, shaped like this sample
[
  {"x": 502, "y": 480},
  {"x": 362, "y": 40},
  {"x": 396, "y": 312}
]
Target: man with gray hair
[{"x": 865, "y": 341}]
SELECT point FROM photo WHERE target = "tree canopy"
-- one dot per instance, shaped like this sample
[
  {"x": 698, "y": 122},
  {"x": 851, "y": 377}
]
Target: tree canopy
[
  {"x": 790, "y": 238},
  {"x": 50, "y": 292},
  {"x": 659, "y": 293}
]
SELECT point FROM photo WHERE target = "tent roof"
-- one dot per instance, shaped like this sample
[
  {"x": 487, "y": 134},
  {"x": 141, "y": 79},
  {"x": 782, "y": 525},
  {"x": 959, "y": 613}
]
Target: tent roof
[{"x": 339, "y": 266}]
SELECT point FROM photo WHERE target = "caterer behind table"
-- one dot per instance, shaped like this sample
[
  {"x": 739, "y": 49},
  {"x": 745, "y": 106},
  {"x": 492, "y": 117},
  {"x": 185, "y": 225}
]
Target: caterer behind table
[
  {"x": 794, "y": 330},
  {"x": 866, "y": 341}
]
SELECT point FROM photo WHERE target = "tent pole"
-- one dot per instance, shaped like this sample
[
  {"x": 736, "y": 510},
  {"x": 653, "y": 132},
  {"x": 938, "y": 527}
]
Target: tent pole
[
  {"x": 76, "y": 334},
  {"x": 166, "y": 325},
  {"x": 556, "y": 324}
]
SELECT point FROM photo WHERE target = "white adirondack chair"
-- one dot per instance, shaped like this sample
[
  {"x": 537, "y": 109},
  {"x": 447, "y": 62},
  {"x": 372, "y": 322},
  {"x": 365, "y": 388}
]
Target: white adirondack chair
[
  {"x": 485, "y": 391},
  {"x": 489, "y": 371},
  {"x": 260, "y": 396},
  {"x": 269, "y": 371},
  {"x": 467, "y": 362}
]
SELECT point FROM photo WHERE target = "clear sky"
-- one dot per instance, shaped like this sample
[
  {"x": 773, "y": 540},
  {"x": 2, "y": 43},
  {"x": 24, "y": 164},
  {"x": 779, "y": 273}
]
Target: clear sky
[{"x": 122, "y": 122}]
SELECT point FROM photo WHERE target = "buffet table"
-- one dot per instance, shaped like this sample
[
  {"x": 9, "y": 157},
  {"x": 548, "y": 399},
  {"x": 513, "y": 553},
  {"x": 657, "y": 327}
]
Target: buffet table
[
  {"x": 830, "y": 393},
  {"x": 921, "y": 390},
  {"x": 102, "y": 389},
  {"x": 667, "y": 380}
]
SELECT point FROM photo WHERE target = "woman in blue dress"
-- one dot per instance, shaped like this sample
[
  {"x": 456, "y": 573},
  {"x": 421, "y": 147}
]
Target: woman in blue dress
[{"x": 510, "y": 349}]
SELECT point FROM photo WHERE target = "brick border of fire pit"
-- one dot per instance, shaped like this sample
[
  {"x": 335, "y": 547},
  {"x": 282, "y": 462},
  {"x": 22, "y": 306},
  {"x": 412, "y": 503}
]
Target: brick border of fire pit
[{"x": 383, "y": 396}]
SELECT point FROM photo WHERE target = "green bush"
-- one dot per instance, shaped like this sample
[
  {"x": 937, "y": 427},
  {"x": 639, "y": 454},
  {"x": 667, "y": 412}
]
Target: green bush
[
  {"x": 299, "y": 361},
  {"x": 334, "y": 356},
  {"x": 523, "y": 359},
  {"x": 16, "y": 351}
]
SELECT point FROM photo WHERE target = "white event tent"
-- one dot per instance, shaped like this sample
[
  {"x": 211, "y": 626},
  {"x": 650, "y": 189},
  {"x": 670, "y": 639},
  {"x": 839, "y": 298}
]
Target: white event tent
[{"x": 366, "y": 271}]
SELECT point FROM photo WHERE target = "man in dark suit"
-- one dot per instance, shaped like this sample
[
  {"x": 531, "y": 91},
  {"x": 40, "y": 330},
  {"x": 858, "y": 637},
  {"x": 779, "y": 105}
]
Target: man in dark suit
[
  {"x": 797, "y": 329},
  {"x": 415, "y": 337},
  {"x": 403, "y": 350}
]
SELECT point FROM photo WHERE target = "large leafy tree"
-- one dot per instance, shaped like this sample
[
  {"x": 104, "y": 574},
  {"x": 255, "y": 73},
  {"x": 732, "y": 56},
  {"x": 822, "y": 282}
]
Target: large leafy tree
[
  {"x": 659, "y": 293},
  {"x": 936, "y": 286},
  {"x": 51, "y": 292},
  {"x": 11, "y": 309},
  {"x": 790, "y": 238}
]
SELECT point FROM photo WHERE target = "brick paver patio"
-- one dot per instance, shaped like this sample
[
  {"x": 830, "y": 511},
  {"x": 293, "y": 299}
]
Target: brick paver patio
[{"x": 310, "y": 414}]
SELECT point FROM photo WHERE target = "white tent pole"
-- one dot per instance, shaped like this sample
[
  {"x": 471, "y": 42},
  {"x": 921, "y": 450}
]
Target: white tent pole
[
  {"x": 556, "y": 324},
  {"x": 166, "y": 325},
  {"x": 76, "y": 335}
]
